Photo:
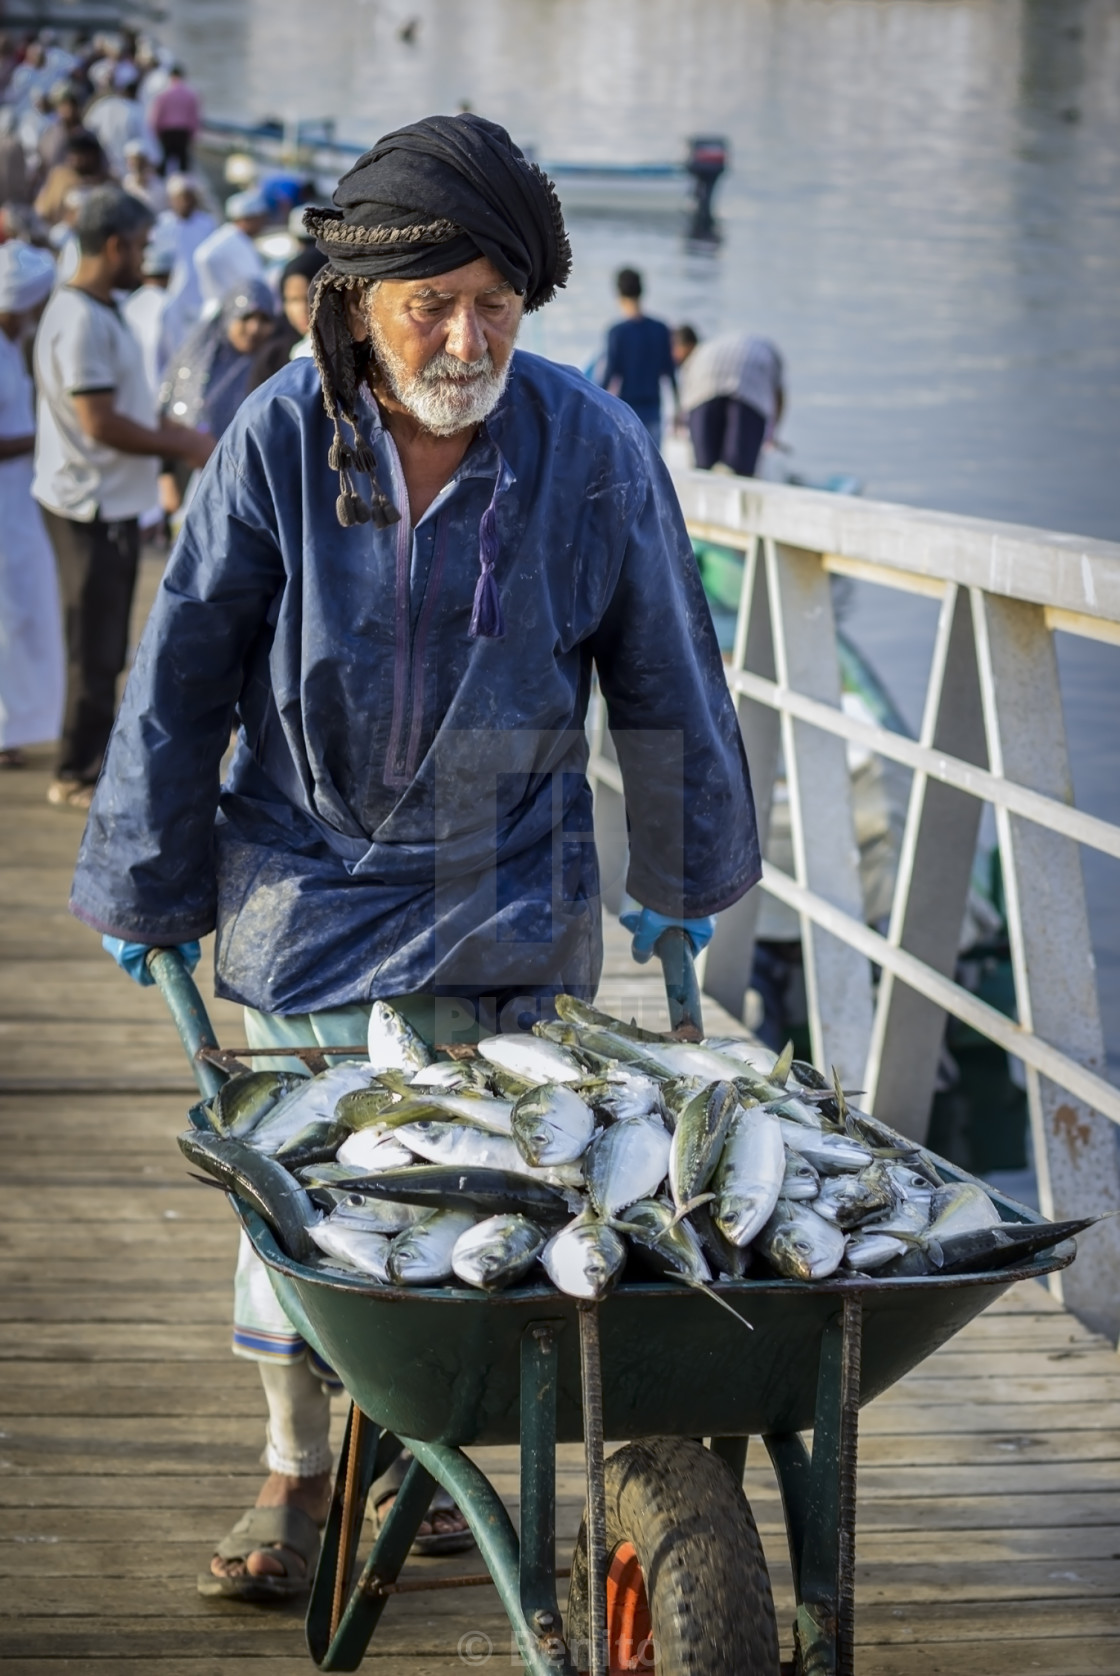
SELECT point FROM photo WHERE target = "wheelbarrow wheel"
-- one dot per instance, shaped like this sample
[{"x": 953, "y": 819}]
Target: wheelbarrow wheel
[{"x": 688, "y": 1592}]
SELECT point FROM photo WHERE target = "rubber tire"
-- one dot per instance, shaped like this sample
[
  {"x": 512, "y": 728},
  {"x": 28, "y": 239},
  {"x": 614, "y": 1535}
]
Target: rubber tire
[{"x": 708, "y": 1588}]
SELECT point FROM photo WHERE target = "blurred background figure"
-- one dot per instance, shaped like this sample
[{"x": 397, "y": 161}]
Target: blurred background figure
[
  {"x": 116, "y": 116},
  {"x": 291, "y": 326},
  {"x": 732, "y": 396},
  {"x": 146, "y": 308},
  {"x": 97, "y": 449},
  {"x": 211, "y": 372},
  {"x": 16, "y": 183},
  {"x": 174, "y": 117},
  {"x": 31, "y": 678},
  {"x": 639, "y": 355},
  {"x": 190, "y": 223},
  {"x": 141, "y": 177},
  {"x": 83, "y": 164},
  {"x": 229, "y": 257},
  {"x": 66, "y": 121}
]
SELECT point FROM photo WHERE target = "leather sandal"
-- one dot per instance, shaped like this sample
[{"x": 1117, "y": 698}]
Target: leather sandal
[
  {"x": 435, "y": 1542},
  {"x": 288, "y": 1533}
]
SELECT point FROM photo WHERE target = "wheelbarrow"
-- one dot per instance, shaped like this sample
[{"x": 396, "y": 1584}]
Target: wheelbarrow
[{"x": 668, "y": 1574}]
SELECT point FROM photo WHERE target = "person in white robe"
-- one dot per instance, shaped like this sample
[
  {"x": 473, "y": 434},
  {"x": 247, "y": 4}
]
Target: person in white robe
[
  {"x": 229, "y": 257},
  {"x": 31, "y": 661}
]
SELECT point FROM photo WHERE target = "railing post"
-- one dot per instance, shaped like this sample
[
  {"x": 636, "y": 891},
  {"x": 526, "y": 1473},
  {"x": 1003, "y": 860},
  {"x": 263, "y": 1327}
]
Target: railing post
[
  {"x": 837, "y": 979},
  {"x": 1075, "y": 1147},
  {"x": 727, "y": 972},
  {"x": 931, "y": 890}
]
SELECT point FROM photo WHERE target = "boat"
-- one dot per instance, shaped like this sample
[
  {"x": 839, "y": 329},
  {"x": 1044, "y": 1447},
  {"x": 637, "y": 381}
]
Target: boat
[{"x": 313, "y": 151}]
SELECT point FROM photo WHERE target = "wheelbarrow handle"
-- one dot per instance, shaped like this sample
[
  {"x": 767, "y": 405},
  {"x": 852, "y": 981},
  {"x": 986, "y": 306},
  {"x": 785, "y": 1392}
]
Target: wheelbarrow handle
[
  {"x": 674, "y": 950},
  {"x": 188, "y": 1014}
]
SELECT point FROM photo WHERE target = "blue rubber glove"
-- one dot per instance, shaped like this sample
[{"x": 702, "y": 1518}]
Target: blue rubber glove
[
  {"x": 647, "y": 927},
  {"x": 133, "y": 957}
]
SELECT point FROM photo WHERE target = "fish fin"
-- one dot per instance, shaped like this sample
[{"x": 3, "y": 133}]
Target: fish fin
[
  {"x": 693, "y": 1204},
  {"x": 841, "y": 1097},
  {"x": 702, "y": 1286},
  {"x": 782, "y": 1066},
  {"x": 208, "y": 1181}
]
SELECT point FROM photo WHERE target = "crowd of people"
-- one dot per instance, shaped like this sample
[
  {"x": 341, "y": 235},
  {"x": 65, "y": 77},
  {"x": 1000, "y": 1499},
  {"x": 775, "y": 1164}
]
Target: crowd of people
[{"x": 133, "y": 323}]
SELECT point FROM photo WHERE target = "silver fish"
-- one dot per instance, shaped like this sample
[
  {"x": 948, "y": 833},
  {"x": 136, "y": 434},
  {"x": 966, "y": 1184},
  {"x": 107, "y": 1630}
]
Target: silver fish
[
  {"x": 446, "y": 1075},
  {"x": 365, "y": 1106},
  {"x": 536, "y": 1060},
  {"x": 827, "y": 1152},
  {"x": 749, "y": 1175},
  {"x": 755, "y": 1054},
  {"x": 552, "y": 1125},
  {"x": 961, "y": 1208},
  {"x": 673, "y": 1246},
  {"x": 317, "y": 1142},
  {"x": 625, "y": 1163},
  {"x": 374, "y": 1149},
  {"x": 470, "y": 1104},
  {"x": 497, "y": 1252},
  {"x": 392, "y": 1042},
  {"x": 698, "y": 1141},
  {"x": 460, "y": 1143},
  {"x": 463, "y": 1144},
  {"x": 376, "y": 1216},
  {"x": 870, "y": 1248},
  {"x": 583, "y": 1259},
  {"x": 629, "y": 1094},
  {"x": 241, "y": 1103},
  {"x": 801, "y": 1181},
  {"x": 800, "y": 1244},
  {"x": 849, "y": 1200},
  {"x": 729, "y": 1262},
  {"x": 316, "y": 1098},
  {"x": 358, "y": 1248},
  {"x": 421, "y": 1256}
]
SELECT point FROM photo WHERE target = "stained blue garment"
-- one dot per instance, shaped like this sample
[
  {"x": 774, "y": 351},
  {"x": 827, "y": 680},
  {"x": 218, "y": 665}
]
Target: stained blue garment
[{"x": 406, "y": 810}]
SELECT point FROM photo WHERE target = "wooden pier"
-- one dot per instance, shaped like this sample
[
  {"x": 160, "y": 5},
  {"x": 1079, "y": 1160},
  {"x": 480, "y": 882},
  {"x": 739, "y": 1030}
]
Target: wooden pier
[{"x": 989, "y": 1504}]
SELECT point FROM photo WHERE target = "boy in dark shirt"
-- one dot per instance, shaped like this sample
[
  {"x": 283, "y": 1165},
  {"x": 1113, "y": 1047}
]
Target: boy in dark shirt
[{"x": 639, "y": 356}]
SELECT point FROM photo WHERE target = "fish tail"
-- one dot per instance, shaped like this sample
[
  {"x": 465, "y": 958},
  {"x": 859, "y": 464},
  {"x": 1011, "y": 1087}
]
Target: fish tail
[
  {"x": 692, "y": 1204},
  {"x": 782, "y": 1066},
  {"x": 702, "y": 1286}
]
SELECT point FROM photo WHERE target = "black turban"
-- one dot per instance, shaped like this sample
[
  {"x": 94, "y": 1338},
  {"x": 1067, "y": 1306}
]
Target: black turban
[{"x": 439, "y": 194}]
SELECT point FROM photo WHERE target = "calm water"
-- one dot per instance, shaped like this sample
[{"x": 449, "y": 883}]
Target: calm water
[{"x": 923, "y": 211}]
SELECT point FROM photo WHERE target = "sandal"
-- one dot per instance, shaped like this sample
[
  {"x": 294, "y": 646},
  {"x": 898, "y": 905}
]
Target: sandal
[
  {"x": 435, "y": 1542},
  {"x": 289, "y": 1533}
]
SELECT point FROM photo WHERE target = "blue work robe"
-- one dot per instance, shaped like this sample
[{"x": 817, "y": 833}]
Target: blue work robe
[{"x": 406, "y": 809}]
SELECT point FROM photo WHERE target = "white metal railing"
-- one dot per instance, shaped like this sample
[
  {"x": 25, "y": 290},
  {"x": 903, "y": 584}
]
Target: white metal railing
[{"x": 992, "y": 733}]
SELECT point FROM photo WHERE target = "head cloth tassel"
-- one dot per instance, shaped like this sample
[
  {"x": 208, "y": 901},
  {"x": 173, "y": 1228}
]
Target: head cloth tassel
[{"x": 428, "y": 198}]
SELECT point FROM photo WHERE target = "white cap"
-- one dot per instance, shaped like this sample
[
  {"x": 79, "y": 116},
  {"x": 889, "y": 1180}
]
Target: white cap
[
  {"x": 244, "y": 204},
  {"x": 101, "y": 74},
  {"x": 297, "y": 227},
  {"x": 183, "y": 183},
  {"x": 135, "y": 148},
  {"x": 26, "y": 276}
]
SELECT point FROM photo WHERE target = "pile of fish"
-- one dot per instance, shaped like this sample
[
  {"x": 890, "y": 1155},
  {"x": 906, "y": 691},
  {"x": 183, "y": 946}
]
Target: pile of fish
[{"x": 587, "y": 1149}]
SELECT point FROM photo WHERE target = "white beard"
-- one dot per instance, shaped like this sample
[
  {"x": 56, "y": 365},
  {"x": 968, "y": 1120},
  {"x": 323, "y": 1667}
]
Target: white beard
[{"x": 446, "y": 396}]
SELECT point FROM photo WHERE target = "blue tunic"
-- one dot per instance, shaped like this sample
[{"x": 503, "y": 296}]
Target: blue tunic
[{"x": 406, "y": 809}]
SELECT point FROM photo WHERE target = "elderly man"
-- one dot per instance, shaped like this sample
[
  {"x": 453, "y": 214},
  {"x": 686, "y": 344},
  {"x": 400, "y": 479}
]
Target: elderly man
[{"x": 399, "y": 574}]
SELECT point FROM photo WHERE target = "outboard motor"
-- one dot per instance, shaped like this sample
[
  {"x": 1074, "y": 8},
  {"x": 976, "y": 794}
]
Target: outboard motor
[{"x": 707, "y": 159}]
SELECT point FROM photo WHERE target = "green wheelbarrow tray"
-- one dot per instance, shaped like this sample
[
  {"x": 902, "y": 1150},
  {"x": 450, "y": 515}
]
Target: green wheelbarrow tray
[
  {"x": 443, "y": 1364},
  {"x": 442, "y": 1369}
]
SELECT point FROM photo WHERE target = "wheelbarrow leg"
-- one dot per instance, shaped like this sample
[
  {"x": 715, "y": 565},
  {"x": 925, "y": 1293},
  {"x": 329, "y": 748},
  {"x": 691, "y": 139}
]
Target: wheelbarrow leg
[
  {"x": 819, "y": 1496},
  {"x": 540, "y": 1357},
  {"x": 339, "y": 1628}
]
